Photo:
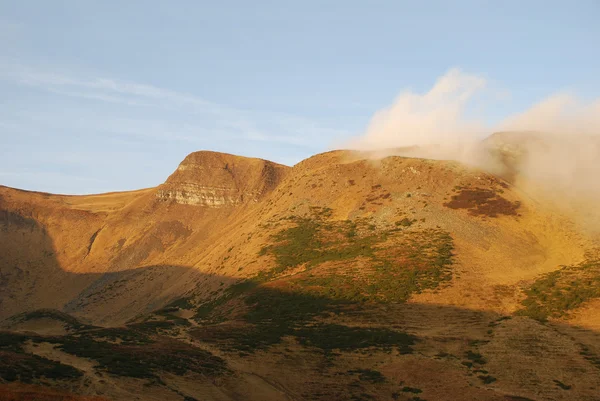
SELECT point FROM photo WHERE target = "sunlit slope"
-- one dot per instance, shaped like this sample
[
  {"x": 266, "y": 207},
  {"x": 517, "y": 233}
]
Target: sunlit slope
[
  {"x": 78, "y": 247},
  {"x": 128, "y": 253},
  {"x": 343, "y": 277}
]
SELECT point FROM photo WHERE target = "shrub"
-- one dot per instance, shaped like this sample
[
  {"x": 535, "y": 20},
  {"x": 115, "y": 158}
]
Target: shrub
[
  {"x": 482, "y": 202},
  {"x": 371, "y": 376},
  {"x": 562, "y": 385},
  {"x": 487, "y": 379},
  {"x": 23, "y": 367},
  {"x": 556, "y": 293}
]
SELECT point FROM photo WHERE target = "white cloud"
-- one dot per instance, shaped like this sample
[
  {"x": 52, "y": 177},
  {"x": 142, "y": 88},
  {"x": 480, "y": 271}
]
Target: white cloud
[
  {"x": 438, "y": 117},
  {"x": 559, "y": 113},
  {"x": 432, "y": 118},
  {"x": 557, "y": 140}
]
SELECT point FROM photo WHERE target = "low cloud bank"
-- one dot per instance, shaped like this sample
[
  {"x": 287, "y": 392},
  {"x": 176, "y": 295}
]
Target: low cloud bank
[{"x": 553, "y": 146}]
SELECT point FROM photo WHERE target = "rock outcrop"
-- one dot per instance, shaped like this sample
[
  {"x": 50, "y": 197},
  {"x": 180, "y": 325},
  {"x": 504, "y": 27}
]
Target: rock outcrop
[{"x": 217, "y": 179}]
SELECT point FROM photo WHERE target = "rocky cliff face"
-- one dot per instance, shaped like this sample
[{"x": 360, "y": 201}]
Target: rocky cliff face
[{"x": 216, "y": 180}]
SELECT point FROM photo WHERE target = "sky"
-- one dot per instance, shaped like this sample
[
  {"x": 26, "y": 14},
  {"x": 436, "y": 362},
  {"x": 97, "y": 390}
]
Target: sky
[{"x": 106, "y": 95}]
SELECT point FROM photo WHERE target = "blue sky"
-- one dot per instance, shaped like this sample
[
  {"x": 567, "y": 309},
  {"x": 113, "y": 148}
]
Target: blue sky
[{"x": 103, "y": 95}]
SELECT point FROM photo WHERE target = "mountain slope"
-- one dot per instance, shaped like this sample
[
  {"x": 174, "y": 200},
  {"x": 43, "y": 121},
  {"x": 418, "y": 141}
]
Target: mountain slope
[{"x": 361, "y": 274}]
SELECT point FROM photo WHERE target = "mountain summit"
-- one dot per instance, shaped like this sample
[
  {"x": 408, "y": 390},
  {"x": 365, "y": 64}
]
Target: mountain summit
[{"x": 219, "y": 179}]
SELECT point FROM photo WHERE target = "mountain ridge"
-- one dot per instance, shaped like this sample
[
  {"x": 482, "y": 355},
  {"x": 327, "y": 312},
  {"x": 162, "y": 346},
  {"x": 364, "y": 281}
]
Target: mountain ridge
[{"x": 371, "y": 270}]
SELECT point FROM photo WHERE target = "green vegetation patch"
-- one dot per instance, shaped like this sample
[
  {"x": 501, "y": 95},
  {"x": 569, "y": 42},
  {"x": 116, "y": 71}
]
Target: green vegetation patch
[
  {"x": 144, "y": 360},
  {"x": 127, "y": 351},
  {"x": 162, "y": 321},
  {"x": 273, "y": 314},
  {"x": 329, "y": 337},
  {"x": 369, "y": 375},
  {"x": 10, "y": 341},
  {"x": 181, "y": 303},
  {"x": 419, "y": 261},
  {"x": 207, "y": 310},
  {"x": 122, "y": 335},
  {"x": 160, "y": 326},
  {"x": 16, "y": 365},
  {"x": 397, "y": 261},
  {"x": 27, "y": 368},
  {"x": 557, "y": 293},
  {"x": 314, "y": 240},
  {"x": 51, "y": 314}
]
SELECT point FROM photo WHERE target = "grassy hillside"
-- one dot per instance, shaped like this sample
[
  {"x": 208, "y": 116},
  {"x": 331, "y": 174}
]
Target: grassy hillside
[{"x": 340, "y": 278}]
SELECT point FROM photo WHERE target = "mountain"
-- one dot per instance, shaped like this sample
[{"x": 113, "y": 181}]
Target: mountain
[{"x": 345, "y": 276}]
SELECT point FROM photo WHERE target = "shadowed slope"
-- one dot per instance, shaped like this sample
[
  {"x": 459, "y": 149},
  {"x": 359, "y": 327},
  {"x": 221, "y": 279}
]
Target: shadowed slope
[{"x": 270, "y": 342}]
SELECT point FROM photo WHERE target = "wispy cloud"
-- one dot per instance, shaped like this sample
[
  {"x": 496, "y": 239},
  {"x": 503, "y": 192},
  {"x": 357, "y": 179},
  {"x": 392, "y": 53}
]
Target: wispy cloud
[
  {"x": 69, "y": 131},
  {"x": 106, "y": 89},
  {"x": 249, "y": 125}
]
